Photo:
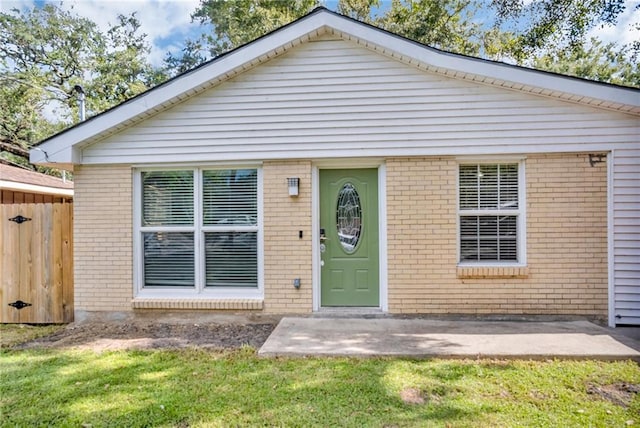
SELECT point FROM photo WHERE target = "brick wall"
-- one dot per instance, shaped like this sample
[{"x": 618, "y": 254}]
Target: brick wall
[
  {"x": 286, "y": 255},
  {"x": 103, "y": 259},
  {"x": 566, "y": 271},
  {"x": 567, "y": 233},
  {"x": 103, "y": 243},
  {"x": 421, "y": 236}
]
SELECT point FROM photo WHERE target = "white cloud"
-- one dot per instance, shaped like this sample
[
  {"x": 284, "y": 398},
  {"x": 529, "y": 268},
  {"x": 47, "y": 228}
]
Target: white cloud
[
  {"x": 166, "y": 22},
  {"x": 624, "y": 32}
]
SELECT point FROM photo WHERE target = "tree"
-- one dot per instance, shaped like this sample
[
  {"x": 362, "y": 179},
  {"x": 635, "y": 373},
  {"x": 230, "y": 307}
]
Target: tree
[
  {"x": 449, "y": 25},
  {"x": 235, "y": 23},
  {"x": 595, "y": 61},
  {"x": 44, "y": 53},
  {"x": 362, "y": 10},
  {"x": 445, "y": 24},
  {"x": 554, "y": 24}
]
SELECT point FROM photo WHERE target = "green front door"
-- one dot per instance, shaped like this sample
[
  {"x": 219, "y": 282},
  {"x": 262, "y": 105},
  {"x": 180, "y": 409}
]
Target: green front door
[{"x": 349, "y": 237}]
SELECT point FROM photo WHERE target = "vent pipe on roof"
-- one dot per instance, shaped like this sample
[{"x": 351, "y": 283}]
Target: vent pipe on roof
[
  {"x": 80, "y": 92},
  {"x": 81, "y": 116}
]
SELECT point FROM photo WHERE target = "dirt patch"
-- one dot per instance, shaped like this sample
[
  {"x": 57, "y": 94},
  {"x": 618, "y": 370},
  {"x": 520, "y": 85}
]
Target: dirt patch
[
  {"x": 620, "y": 393},
  {"x": 102, "y": 336},
  {"x": 412, "y": 396}
]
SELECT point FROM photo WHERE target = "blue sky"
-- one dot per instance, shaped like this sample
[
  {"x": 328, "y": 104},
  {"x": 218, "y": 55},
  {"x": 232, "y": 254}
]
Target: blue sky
[{"x": 168, "y": 22}]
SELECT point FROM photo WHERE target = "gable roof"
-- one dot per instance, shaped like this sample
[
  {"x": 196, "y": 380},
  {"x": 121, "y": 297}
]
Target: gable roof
[{"x": 63, "y": 149}]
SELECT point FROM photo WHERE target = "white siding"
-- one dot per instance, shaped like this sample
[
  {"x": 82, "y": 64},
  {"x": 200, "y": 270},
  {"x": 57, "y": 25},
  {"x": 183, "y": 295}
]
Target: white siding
[
  {"x": 332, "y": 98},
  {"x": 626, "y": 225}
]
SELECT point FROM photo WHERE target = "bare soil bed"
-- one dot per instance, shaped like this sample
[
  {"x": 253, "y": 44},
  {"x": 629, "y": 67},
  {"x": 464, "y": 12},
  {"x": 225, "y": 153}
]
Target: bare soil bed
[{"x": 104, "y": 336}]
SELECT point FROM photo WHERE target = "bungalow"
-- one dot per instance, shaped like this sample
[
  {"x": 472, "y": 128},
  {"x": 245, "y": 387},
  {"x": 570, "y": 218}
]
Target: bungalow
[{"x": 331, "y": 165}]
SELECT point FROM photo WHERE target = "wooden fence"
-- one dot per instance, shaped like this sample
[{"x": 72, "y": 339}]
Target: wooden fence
[{"x": 36, "y": 269}]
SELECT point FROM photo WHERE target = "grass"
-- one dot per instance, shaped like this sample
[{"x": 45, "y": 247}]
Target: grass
[
  {"x": 13, "y": 334},
  {"x": 169, "y": 388}
]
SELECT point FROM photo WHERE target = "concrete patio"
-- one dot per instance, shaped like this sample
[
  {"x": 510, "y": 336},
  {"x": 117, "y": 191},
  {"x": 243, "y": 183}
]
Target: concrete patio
[{"x": 425, "y": 338}]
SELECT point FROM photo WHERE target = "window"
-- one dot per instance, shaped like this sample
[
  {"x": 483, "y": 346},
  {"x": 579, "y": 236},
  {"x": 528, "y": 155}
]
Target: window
[
  {"x": 199, "y": 231},
  {"x": 230, "y": 224},
  {"x": 490, "y": 213}
]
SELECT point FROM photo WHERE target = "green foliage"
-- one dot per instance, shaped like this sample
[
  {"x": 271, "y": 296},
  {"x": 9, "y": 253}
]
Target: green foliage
[
  {"x": 235, "y": 23},
  {"x": 19, "y": 119},
  {"x": 45, "y": 52},
  {"x": 362, "y": 10},
  {"x": 555, "y": 24},
  {"x": 548, "y": 34},
  {"x": 201, "y": 388},
  {"x": 445, "y": 24},
  {"x": 192, "y": 55},
  {"x": 595, "y": 61},
  {"x": 120, "y": 69}
]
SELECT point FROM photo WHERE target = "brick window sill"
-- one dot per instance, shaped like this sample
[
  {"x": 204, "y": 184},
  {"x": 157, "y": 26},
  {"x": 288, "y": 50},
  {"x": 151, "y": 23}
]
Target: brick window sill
[
  {"x": 479, "y": 272},
  {"x": 219, "y": 304}
]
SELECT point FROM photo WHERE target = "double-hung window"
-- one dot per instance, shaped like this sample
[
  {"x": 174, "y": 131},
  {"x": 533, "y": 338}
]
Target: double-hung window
[
  {"x": 490, "y": 213},
  {"x": 199, "y": 232}
]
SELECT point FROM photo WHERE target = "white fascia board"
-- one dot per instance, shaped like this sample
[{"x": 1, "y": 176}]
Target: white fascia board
[
  {"x": 480, "y": 67},
  {"x": 64, "y": 158},
  {"x": 57, "y": 147},
  {"x": 34, "y": 188},
  {"x": 358, "y": 153}
]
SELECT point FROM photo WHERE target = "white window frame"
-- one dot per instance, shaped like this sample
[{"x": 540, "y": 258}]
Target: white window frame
[
  {"x": 520, "y": 213},
  {"x": 200, "y": 291}
]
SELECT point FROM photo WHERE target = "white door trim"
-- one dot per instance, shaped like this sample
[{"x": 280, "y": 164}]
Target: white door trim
[
  {"x": 382, "y": 225},
  {"x": 382, "y": 235},
  {"x": 315, "y": 236}
]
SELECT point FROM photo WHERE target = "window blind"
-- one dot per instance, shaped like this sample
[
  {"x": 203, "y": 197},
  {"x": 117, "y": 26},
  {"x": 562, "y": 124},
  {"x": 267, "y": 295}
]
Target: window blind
[
  {"x": 508, "y": 186},
  {"x": 226, "y": 233},
  {"x": 231, "y": 259},
  {"x": 168, "y": 259},
  {"x": 167, "y": 198},
  {"x": 230, "y": 197},
  {"x": 488, "y": 238},
  {"x": 490, "y": 189}
]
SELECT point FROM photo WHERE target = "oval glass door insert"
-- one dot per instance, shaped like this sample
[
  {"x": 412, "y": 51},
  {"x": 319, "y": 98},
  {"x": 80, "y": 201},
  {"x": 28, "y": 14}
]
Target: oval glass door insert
[{"x": 349, "y": 218}]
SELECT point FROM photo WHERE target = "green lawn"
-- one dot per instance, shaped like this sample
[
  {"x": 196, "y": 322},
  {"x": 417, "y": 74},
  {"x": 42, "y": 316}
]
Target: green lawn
[
  {"x": 203, "y": 388},
  {"x": 12, "y": 334}
]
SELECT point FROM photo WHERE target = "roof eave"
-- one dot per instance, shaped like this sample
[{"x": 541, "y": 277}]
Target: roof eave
[
  {"x": 35, "y": 188},
  {"x": 65, "y": 148},
  {"x": 62, "y": 158}
]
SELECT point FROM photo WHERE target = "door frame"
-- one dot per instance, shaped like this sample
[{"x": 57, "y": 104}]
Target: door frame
[{"x": 379, "y": 164}]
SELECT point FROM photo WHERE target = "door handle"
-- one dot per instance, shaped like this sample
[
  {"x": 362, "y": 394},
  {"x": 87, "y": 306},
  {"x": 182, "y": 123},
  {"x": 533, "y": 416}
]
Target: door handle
[{"x": 323, "y": 236}]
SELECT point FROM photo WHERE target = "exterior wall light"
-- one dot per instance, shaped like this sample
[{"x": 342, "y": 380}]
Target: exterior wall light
[
  {"x": 595, "y": 158},
  {"x": 294, "y": 184}
]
